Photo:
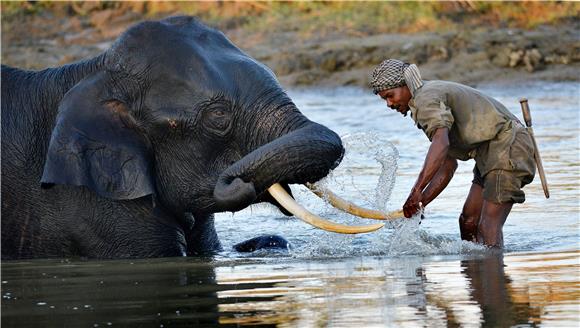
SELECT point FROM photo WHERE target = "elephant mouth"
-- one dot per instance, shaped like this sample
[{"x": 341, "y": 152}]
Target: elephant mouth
[{"x": 286, "y": 201}]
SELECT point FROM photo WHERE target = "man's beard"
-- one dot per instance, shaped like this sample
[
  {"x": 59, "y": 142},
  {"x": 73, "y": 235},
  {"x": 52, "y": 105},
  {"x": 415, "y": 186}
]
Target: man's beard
[{"x": 397, "y": 109}]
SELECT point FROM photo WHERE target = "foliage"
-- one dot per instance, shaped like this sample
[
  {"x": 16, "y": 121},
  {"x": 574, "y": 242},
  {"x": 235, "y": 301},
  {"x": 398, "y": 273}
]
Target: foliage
[
  {"x": 13, "y": 9},
  {"x": 323, "y": 17}
]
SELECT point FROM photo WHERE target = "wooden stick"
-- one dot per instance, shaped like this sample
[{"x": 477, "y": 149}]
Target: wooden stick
[{"x": 528, "y": 119}]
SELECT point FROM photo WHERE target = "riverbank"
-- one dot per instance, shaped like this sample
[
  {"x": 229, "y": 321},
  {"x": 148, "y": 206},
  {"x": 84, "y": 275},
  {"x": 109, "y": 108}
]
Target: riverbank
[{"x": 337, "y": 52}]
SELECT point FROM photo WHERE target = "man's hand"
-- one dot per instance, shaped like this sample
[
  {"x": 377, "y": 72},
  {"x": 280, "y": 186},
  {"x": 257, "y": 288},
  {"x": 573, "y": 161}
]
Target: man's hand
[{"x": 413, "y": 203}]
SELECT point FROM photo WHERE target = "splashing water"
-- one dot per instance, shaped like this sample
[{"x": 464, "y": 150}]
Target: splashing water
[
  {"x": 366, "y": 177},
  {"x": 369, "y": 169},
  {"x": 369, "y": 156}
]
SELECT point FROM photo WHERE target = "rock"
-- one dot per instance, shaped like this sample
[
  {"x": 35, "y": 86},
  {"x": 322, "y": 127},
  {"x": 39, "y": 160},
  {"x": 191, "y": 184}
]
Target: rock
[
  {"x": 328, "y": 63},
  {"x": 515, "y": 56},
  {"x": 533, "y": 59},
  {"x": 440, "y": 53},
  {"x": 501, "y": 57}
]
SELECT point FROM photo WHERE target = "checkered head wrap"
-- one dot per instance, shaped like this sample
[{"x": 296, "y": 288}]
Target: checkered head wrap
[{"x": 393, "y": 73}]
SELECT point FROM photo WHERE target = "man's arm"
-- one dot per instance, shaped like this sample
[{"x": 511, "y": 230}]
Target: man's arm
[
  {"x": 435, "y": 157},
  {"x": 439, "y": 181}
]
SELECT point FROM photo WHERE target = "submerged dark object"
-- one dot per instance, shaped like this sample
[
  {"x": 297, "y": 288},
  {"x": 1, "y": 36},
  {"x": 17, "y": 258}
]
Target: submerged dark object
[{"x": 262, "y": 242}]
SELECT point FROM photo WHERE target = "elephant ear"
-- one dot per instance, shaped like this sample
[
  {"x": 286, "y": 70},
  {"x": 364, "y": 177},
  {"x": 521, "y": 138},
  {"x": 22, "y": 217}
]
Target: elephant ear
[{"x": 96, "y": 143}]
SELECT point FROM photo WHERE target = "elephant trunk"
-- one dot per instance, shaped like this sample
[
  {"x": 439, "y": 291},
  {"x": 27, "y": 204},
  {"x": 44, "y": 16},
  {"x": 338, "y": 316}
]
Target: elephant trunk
[{"x": 306, "y": 154}]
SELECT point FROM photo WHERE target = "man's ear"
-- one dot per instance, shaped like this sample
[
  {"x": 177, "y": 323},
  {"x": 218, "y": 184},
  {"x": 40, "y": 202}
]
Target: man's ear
[{"x": 96, "y": 143}]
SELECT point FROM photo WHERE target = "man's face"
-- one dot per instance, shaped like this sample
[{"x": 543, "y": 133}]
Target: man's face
[{"x": 397, "y": 98}]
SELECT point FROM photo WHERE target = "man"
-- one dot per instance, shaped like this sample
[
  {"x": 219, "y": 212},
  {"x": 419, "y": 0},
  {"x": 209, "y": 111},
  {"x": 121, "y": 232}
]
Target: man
[{"x": 462, "y": 123}]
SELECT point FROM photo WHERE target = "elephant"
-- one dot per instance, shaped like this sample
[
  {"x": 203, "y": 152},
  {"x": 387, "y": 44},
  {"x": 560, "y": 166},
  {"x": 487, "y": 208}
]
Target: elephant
[{"x": 129, "y": 154}]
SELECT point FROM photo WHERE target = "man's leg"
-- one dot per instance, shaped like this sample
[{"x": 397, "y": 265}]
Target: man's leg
[
  {"x": 503, "y": 187},
  {"x": 493, "y": 216},
  {"x": 469, "y": 218}
]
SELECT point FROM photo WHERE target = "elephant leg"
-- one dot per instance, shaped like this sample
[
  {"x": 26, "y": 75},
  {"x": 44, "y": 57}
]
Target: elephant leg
[{"x": 200, "y": 235}]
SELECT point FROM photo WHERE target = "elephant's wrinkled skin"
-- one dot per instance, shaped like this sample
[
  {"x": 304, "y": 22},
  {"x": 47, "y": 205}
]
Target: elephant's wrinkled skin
[{"x": 130, "y": 153}]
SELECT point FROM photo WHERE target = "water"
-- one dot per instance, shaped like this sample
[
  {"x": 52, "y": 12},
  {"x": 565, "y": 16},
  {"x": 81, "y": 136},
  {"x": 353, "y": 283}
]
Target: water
[
  {"x": 367, "y": 124},
  {"x": 525, "y": 289},
  {"x": 413, "y": 273}
]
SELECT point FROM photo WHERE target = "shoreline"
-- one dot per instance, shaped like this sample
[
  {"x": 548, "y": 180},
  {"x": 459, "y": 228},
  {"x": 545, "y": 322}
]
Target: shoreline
[{"x": 472, "y": 56}]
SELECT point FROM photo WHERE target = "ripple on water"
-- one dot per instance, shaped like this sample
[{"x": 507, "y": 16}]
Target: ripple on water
[
  {"x": 295, "y": 289},
  {"x": 376, "y": 174},
  {"x": 369, "y": 168}
]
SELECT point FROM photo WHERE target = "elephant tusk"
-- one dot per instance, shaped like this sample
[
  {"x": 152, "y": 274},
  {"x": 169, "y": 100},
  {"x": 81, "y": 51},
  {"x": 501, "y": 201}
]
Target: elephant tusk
[
  {"x": 303, "y": 214},
  {"x": 351, "y": 208}
]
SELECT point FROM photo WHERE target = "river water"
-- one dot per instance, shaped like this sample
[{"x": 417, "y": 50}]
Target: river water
[{"x": 412, "y": 273}]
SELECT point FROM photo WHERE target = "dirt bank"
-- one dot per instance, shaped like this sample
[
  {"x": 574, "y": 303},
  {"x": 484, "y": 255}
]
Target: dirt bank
[{"x": 470, "y": 56}]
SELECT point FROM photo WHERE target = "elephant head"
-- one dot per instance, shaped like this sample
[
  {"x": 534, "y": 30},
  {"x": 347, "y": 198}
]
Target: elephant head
[{"x": 180, "y": 113}]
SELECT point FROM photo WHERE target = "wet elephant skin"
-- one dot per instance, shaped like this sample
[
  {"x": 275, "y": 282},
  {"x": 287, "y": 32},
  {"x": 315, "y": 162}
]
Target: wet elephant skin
[
  {"x": 262, "y": 242},
  {"x": 130, "y": 153}
]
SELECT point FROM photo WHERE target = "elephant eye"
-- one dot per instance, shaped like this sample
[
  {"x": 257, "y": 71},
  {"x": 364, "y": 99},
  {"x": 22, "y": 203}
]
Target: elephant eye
[
  {"x": 219, "y": 113},
  {"x": 218, "y": 120}
]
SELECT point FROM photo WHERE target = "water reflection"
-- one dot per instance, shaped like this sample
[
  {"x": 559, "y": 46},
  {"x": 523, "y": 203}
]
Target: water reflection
[
  {"x": 97, "y": 294},
  {"x": 480, "y": 290},
  {"x": 408, "y": 275},
  {"x": 491, "y": 290},
  {"x": 482, "y": 296}
]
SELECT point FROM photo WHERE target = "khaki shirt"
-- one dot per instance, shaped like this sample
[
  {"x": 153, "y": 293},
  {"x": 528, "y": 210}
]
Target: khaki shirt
[{"x": 480, "y": 127}]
